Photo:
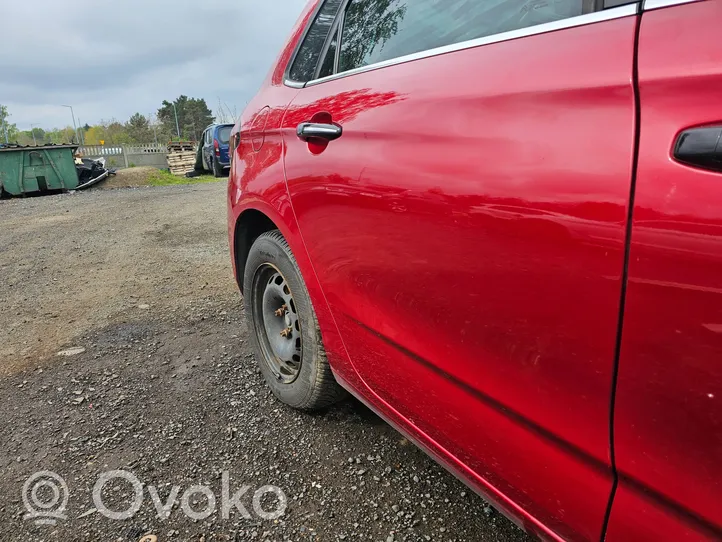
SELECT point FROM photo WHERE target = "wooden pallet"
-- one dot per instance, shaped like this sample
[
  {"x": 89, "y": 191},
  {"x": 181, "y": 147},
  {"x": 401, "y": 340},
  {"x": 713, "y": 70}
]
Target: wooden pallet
[
  {"x": 181, "y": 157},
  {"x": 180, "y": 146},
  {"x": 181, "y": 162},
  {"x": 180, "y": 172}
]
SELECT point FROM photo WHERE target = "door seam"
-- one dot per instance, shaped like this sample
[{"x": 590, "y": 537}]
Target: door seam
[
  {"x": 303, "y": 240},
  {"x": 625, "y": 271}
]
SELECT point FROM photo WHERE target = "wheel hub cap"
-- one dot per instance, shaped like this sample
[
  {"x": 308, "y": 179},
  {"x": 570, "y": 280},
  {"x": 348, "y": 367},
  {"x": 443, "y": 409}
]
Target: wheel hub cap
[{"x": 282, "y": 330}]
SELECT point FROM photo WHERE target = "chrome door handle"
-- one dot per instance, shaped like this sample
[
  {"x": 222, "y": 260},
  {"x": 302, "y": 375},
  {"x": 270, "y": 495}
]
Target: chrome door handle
[{"x": 308, "y": 131}]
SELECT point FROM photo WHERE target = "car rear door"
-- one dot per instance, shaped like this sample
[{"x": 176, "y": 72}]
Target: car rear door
[
  {"x": 224, "y": 137},
  {"x": 668, "y": 416},
  {"x": 464, "y": 208}
]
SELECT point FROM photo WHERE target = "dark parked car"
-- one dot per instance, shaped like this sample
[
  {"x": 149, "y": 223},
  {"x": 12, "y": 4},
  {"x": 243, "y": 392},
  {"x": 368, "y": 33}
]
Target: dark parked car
[
  {"x": 215, "y": 145},
  {"x": 499, "y": 224}
]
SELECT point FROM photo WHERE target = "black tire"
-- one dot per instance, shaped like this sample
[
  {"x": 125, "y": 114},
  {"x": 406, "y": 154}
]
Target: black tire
[
  {"x": 314, "y": 386},
  {"x": 217, "y": 168}
]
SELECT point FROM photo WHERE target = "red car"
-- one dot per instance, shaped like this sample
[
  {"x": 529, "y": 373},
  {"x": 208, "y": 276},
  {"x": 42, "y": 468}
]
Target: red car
[{"x": 498, "y": 223}]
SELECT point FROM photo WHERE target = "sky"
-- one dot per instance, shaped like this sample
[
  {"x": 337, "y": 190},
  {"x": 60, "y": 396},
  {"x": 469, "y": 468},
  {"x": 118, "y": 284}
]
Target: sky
[{"x": 112, "y": 58}]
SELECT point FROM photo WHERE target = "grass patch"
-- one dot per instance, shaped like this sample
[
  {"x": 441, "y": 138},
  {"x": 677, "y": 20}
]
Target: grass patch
[{"x": 166, "y": 178}]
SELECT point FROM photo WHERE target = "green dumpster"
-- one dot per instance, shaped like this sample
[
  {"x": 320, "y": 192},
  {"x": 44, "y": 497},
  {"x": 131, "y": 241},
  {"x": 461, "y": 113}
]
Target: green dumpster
[{"x": 37, "y": 169}]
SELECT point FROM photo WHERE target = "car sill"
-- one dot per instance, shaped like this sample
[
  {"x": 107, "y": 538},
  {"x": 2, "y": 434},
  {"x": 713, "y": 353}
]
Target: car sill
[{"x": 504, "y": 504}]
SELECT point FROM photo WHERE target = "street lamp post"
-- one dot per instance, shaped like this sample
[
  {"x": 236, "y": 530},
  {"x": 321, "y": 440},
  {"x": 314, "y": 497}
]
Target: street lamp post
[
  {"x": 75, "y": 126},
  {"x": 177, "y": 128}
]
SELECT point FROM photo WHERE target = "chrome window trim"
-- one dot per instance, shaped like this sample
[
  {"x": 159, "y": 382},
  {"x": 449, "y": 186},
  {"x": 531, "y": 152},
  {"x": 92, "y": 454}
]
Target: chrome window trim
[
  {"x": 287, "y": 81},
  {"x": 656, "y": 4},
  {"x": 571, "y": 22},
  {"x": 339, "y": 35}
]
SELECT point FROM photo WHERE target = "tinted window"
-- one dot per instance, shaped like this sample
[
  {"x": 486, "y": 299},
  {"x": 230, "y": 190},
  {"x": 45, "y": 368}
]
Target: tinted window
[
  {"x": 224, "y": 134},
  {"x": 304, "y": 66},
  {"x": 378, "y": 30},
  {"x": 328, "y": 61}
]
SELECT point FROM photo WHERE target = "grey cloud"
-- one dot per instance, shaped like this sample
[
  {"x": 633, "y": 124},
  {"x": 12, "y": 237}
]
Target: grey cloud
[{"x": 110, "y": 59}]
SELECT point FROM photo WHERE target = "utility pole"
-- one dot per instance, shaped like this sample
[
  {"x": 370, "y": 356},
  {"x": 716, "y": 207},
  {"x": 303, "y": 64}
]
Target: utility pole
[
  {"x": 176, "y": 121},
  {"x": 155, "y": 129},
  {"x": 75, "y": 126}
]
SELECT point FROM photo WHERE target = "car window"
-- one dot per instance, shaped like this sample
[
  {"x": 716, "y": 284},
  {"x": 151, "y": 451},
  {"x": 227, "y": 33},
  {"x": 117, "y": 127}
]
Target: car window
[
  {"x": 378, "y": 30},
  {"x": 208, "y": 136},
  {"x": 224, "y": 134},
  {"x": 304, "y": 65}
]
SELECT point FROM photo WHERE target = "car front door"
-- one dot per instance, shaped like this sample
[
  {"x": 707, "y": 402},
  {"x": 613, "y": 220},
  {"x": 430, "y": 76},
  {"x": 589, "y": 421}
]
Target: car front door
[{"x": 460, "y": 178}]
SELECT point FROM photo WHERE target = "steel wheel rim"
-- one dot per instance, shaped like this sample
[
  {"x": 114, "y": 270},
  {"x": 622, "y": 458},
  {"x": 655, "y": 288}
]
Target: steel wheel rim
[{"x": 277, "y": 324}]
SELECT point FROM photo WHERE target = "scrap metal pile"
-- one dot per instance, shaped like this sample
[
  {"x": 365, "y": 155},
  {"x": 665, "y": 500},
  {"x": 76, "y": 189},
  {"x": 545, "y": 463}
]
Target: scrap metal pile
[{"x": 91, "y": 172}]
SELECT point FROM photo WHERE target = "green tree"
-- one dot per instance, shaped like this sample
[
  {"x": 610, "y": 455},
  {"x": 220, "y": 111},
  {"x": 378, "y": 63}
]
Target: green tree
[
  {"x": 138, "y": 129},
  {"x": 60, "y": 136},
  {"x": 94, "y": 135},
  {"x": 25, "y": 137},
  {"x": 39, "y": 135},
  {"x": 117, "y": 133},
  {"x": 194, "y": 116},
  {"x": 7, "y": 131}
]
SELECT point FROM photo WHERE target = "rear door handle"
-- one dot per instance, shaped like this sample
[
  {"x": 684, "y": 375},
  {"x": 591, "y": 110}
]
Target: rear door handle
[
  {"x": 700, "y": 147},
  {"x": 307, "y": 131}
]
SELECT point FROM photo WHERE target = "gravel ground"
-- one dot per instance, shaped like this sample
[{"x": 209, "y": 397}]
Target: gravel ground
[{"x": 166, "y": 388}]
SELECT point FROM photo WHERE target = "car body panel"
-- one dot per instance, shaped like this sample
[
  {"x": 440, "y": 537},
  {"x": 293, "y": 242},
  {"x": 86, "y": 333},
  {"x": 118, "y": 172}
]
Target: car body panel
[
  {"x": 668, "y": 416},
  {"x": 431, "y": 224},
  {"x": 463, "y": 245}
]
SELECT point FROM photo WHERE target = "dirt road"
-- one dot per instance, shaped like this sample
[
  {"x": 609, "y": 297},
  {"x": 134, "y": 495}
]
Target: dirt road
[
  {"x": 166, "y": 389},
  {"x": 72, "y": 263}
]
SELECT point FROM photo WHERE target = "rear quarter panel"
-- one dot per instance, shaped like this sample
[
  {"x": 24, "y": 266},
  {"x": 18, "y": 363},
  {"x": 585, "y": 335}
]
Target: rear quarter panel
[{"x": 257, "y": 183}]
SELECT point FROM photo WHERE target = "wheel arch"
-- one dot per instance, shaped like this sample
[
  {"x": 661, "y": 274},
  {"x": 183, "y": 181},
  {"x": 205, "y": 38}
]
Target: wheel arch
[
  {"x": 260, "y": 217},
  {"x": 251, "y": 224}
]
